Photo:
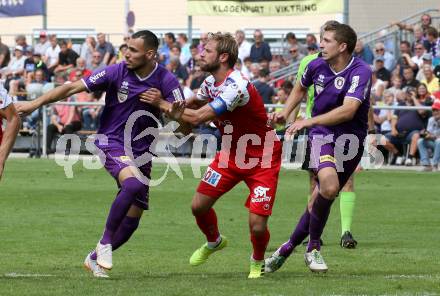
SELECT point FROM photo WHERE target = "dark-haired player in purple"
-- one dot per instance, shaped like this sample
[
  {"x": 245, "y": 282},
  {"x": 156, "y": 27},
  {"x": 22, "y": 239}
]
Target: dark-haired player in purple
[
  {"x": 123, "y": 83},
  {"x": 338, "y": 128}
]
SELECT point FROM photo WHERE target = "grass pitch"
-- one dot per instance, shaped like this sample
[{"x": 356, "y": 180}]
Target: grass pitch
[{"x": 48, "y": 223}]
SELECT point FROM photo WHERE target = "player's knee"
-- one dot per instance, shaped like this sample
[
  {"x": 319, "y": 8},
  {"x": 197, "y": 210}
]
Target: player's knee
[
  {"x": 134, "y": 187},
  {"x": 329, "y": 191},
  {"x": 258, "y": 229}
]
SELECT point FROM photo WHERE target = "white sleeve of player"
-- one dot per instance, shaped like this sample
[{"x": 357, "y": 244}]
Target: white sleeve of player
[
  {"x": 202, "y": 93},
  {"x": 235, "y": 94},
  {"x": 5, "y": 98}
]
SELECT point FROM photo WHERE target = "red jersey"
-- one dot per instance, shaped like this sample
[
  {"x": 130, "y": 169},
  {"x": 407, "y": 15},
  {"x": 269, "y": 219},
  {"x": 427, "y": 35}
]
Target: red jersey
[{"x": 238, "y": 104}]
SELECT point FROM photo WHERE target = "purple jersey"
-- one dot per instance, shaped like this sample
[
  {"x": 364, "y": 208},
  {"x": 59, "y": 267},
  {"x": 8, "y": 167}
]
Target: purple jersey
[
  {"x": 332, "y": 88},
  {"x": 122, "y": 87}
]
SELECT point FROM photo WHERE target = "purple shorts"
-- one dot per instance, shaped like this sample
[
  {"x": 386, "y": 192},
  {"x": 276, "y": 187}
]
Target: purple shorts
[
  {"x": 116, "y": 160},
  {"x": 322, "y": 155}
]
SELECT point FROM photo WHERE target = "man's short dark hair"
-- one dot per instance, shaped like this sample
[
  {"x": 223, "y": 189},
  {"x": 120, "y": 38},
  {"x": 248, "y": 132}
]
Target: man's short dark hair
[
  {"x": 343, "y": 34},
  {"x": 171, "y": 36},
  {"x": 264, "y": 73},
  {"x": 405, "y": 42},
  {"x": 287, "y": 86},
  {"x": 432, "y": 31},
  {"x": 290, "y": 35},
  {"x": 150, "y": 39}
]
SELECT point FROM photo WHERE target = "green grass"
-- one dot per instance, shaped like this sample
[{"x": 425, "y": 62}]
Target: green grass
[{"x": 48, "y": 224}]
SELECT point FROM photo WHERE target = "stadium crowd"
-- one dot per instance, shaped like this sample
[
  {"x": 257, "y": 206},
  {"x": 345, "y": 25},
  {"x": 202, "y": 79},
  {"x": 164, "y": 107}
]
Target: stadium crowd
[{"x": 408, "y": 77}]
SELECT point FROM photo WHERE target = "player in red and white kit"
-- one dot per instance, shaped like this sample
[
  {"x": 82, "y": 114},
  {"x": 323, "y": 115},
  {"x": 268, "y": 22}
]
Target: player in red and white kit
[
  {"x": 250, "y": 152},
  {"x": 7, "y": 139}
]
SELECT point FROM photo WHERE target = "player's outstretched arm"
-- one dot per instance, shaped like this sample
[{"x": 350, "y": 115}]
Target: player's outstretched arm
[
  {"x": 11, "y": 131},
  {"x": 194, "y": 117},
  {"x": 57, "y": 94},
  {"x": 293, "y": 101}
]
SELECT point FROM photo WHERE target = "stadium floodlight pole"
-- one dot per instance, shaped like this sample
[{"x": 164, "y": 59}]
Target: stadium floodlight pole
[
  {"x": 190, "y": 28},
  {"x": 45, "y": 15},
  {"x": 346, "y": 12},
  {"x": 126, "y": 10}
]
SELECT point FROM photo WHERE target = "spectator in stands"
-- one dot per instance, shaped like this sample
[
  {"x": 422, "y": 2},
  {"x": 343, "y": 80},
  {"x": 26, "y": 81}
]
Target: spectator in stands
[
  {"x": 291, "y": 41},
  {"x": 63, "y": 120},
  {"x": 408, "y": 78},
  {"x": 185, "y": 54},
  {"x": 15, "y": 67},
  {"x": 294, "y": 55},
  {"x": 264, "y": 64},
  {"x": 430, "y": 139},
  {"x": 5, "y": 55},
  {"x": 80, "y": 70},
  {"x": 35, "y": 64},
  {"x": 433, "y": 42},
  {"x": 21, "y": 41},
  {"x": 197, "y": 77},
  {"x": 423, "y": 98},
  {"x": 43, "y": 44},
  {"x": 363, "y": 52},
  {"x": 202, "y": 41},
  {"x": 382, "y": 72},
  {"x": 389, "y": 60},
  {"x": 406, "y": 126},
  {"x": 176, "y": 51},
  {"x": 264, "y": 89},
  {"x": 419, "y": 38},
  {"x": 311, "y": 39},
  {"x": 244, "y": 47},
  {"x": 419, "y": 51},
  {"x": 405, "y": 58},
  {"x": 177, "y": 69},
  {"x": 280, "y": 99},
  {"x": 165, "y": 50},
  {"x": 377, "y": 87},
  {"x": 426, "y": 60},
  {"x": 121, "y": 52},
  {"x": 89, "y": 113},
  {"x": 425, "y": 20},
  {"x": 105, "y": 48},
  {"x": 240, "y": 67},
  {"x": 384, "y": 117},
  {"x": 430, "y": 80},
  {"x": 260, "y": 49},
  {"x": 255, "y": 70},
  {"x": 312, "y": 49},
  {"x": 96, "y": 62},
  {"x": 194, "y": 57},
  {"x": 66, "y": 58},
  {"x": 273, "y": 67},
  {"x": 87, "y": 50},
  {"x": 396, "y": 83},
  {"x": 52, "y": 54},
  {"x": 287, "y": 86}
]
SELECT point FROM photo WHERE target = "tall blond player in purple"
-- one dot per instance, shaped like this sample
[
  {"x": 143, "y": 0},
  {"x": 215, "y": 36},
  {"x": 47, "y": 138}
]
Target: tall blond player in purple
[{"x": 338, "y": 128}]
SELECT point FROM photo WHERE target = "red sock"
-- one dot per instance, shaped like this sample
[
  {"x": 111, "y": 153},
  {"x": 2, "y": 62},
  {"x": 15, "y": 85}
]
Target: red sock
[
  {"x": 207, "y": 223},
  {"x": 260, "y": 244}
]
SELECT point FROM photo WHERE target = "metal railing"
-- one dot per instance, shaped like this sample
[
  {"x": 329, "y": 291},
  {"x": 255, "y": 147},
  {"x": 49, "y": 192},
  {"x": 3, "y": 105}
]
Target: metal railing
[{"x": 393, "y": 34}]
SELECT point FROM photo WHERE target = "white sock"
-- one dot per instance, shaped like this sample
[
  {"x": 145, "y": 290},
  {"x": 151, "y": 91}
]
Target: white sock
[{"x": 212, "y": 245}]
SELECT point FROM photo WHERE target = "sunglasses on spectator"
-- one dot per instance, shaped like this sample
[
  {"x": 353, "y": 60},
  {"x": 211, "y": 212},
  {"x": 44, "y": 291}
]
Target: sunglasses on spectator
[
  {"x": 96, "y": 56},
  {"x": 380, "y": 49},
  {"x": 292, "y": 50}
]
